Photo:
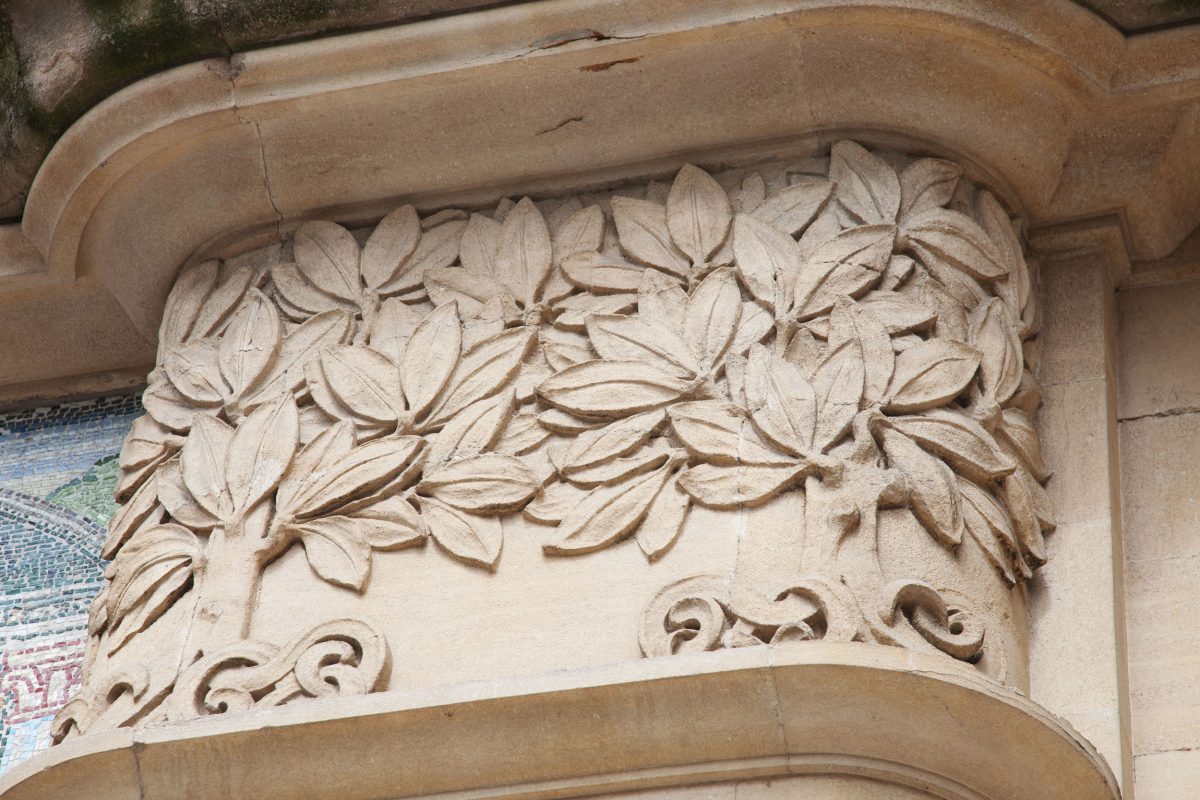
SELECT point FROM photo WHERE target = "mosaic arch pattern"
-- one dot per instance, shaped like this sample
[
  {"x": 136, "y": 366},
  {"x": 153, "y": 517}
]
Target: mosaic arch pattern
[{"x": 58, "y": 466}]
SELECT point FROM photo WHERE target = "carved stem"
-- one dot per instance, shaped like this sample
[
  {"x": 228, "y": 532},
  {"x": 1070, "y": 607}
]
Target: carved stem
[{"x": 226, "y": 591}]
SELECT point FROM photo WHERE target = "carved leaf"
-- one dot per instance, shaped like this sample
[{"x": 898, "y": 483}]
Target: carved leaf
[
  {"x": 933, "y": 491},
  {"x": 325, "y": 330},
  {"x": 203, "y": 462},
  {"x": 733, "y": 487},
  {"x": 193, "y": 371},
  {"x": 602, "y": 273},
  {"x": 523, "y": 435},
  {"x": 474, "y": 429},
  {"x": 251, "y": 344},
  {"x": 477, "y": 248},
  {"x": 959, "y": 240},
  {"x": 312, "y": 464},
  {"x": 327, "y": 255},
  {"x": 661, "y": 301},
  {"x": 1018, "y": 436},
  {"x": 221, "y": 304},
  {"x": 607, "y": 514},
  {"x": 560, "y": 421},
  {"x": 471, "y": 291},
  {"x": 899, "y": 314},
  {"x": 782, "y": 401},
  {"x": 560, "y": 355},
  {"x": 337, "y": 550},
  {"x": 430, "y": 357},
  {"x": 618, "y": 470},
  {"x": 866, "y": 185},
  {"x": 664, "y": 520},
  {"x": 960, "y": 440},
  {"x": 698, "y": 213},
  {"x": 611, "y": 388},
  {"x": 720, "y": 432},
  {"x": 711, "y": 316},
  {"x": 523, "y": 252},
  {"x": 185, "y": 301},
  {"x": 297, "y": 297},
  {"x": 359, "y": 472},
  {"x": 792, "y": 209},
  {"x": 850, "y": 320},
  {"x": 582, "y": 232},
  {"x": 995, "y": 335},
  {"x": 154, "y": 569},
  {"x": 753, "y": 326},
  {"x": 554, "y": 502},
  {"x": 390, "y": 245},
  {"x": 930, "y": 374},
  {"x": 437, "y": 249},
  {"x": 927, "y": 183},
  {"x": 364, "y": 382},
  {"x": 471, "y": 538},
  {"x": 848, "y": 264},
  {"x": 958, "y": 284},
  {"x": 140, "y": 509},
  {"x": 260, "y": 451},
  {"x": 622, "y": 338},
  {"x": 989, "y": 526},
  {"x": 615, "y": 439},
  {"x": 390, "y": 524},
  {"x": 642, "y": 229},
  {"x": 393, "y": 325},
  {"x": 575, "y": 310},
  {"x": 482, "y": 371},
  {"x": 838, "y": 384},
  {"x": 178, "y": 501},
  {"x": 762, "y": 254},
  {"x": 1014, "y": 492},
  {"x": 999, "y": 228},
  {"x": 751, "y": 195}
]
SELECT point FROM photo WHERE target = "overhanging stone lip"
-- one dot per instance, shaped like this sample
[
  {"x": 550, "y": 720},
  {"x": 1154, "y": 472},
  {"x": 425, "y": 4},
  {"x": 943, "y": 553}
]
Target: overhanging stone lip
[{"x": 812, "y": 707}]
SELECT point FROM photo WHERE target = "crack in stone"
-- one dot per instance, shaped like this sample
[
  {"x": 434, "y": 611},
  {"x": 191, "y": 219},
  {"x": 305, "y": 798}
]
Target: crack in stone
[{"x": 1170, "y": 412}]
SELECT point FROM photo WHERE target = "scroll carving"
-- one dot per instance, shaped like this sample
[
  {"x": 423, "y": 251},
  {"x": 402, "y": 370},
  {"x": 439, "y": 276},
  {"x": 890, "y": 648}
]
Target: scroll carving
[{"x": 853, "y": 328}]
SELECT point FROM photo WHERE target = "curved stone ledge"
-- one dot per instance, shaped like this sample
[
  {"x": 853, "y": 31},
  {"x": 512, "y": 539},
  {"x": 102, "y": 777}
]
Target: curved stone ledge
[{"x": 821, "y": 709}]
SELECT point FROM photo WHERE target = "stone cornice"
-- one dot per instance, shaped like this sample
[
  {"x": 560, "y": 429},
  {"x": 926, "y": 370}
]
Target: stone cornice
[
  {"x": 1046, "y": 99},
  {"x": 816, "y": 708}
]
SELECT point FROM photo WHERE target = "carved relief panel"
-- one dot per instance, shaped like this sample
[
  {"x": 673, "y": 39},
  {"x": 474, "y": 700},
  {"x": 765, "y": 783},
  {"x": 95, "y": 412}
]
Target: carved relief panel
[{"x": 822, "y": 362}]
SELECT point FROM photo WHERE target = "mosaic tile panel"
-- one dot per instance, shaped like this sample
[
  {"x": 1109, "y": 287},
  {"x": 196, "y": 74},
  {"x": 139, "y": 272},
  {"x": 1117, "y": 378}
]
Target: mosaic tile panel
[{"x": 58, "y": 466}]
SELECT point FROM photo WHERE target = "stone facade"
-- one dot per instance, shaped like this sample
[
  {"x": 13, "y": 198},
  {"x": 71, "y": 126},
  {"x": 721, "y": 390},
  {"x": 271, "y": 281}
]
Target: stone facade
[{"x": 703, "y": 400}]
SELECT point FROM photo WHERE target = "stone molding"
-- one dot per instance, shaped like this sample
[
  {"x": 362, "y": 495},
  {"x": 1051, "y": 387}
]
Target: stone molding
[
  {"x": 822, "y": 708},
  {"x": 136, "y": 188}
]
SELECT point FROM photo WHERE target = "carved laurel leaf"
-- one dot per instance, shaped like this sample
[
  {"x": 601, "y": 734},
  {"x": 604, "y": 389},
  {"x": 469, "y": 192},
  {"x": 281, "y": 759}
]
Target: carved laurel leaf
[
  {"x": 325, "y": 330},
  {"x": 178, "y": 501},
  {"x": 471, "y": 538},
  {"x": 661, "y": 301},
  {"x": 312, "y": 464},
  {"x": 751, "y": 195},
  {"x": 359, "y": 472},
  {"x": 960, "y": 440},
  {"x": 930, "y": 374},
  {"x": 337, "y": 550},
  {"x": 475, "y": 429},
  {"x": 782, "y": 402},
  {"x": 664, "y": 520},
  {"x": 430, "y": 357},
  {"x": 560, "y": 355},
  {"x": 390, "y": 524},
  {"x": 142, "y": 508},
  {"x": 1014, "y": 492},
  {"x": 607, "y": 514},
  {"x": 848, "y": 264},
  {"x": 622, "y": 338},
  {"x": 481, "y": 372},
  {"x": 850, "y": 320},
  {"x": 645, "y": 237},
  {"x": 327, "y": 255},
  {"x": 753, "y": 326},
  {"x": 601, "y": 273},
  {"x": 719, "y": 432},
  {"x": 193, "y": 371},
  {"x": 390, "y": 245},
  {"x": 698, "y": 213},
  {"x": 792, "y": 209},
  {"x": 251, "y": 344},
  {"x": 575, "y": 310},
  {"x": 490, "y": 482},
  {"x": 762, "y": 254},
  {"x": 736, "y": 486},
  {"x": 618, "y": 470},
  {"x": 958, "y": 284},
  {"x": 185, "y": 301},
  {"x": 999, "y": 228},
  {"x": 995, "y": 335},
  {"x": 582, "y": 232},
  {"x": 152, "y": 570},
  {"x": 394, "y": 323},
  {"x": 523, "y": 254},
  {"x": 866, "y": 185},
  {"x": 1018, "y": 436},
  {"x": 221, "y": 304},
  {"x": 471, "y": 291},
  {"x": 203, "y": 462},
  {"x": 933, "y": 491},
  {"x": 554, "y": 502},
  {"x": 477, "y": 248},
  {"x": 989, "y": 526},
  {"x": 437, "y": 249},
  {"x": 611, "y": 388},
  {"x": 615, "y": 439},
  {"x": 959, "y": 240},
  {"x": 261, "y": 450},
  {"x": 927, "y": 183},
  {"x": 838, "y": 384},
  {"x": 711, "y": 316},
  {"x": 364, "y": 382},
  {"x": 899, "y": 314},
  {"x": 298, "y": 298}
]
